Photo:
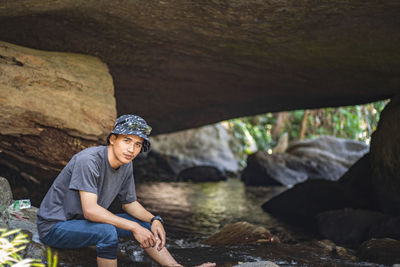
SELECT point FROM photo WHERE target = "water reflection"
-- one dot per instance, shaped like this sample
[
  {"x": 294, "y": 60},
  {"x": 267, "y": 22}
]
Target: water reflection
[
  {"x": 203, "y": 208},
  {"x": 194, "y": 211}
]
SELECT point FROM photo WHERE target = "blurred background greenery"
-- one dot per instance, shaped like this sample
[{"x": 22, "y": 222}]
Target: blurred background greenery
[{"x": 262, "y": 132}]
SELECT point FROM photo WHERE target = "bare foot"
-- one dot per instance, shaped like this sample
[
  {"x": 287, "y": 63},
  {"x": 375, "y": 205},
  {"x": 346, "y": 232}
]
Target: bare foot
[{"x": 207, "y": 264}]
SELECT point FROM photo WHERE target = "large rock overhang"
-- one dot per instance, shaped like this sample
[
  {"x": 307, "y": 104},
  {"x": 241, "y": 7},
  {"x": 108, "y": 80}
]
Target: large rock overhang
[{"x": 182, "y": 64}]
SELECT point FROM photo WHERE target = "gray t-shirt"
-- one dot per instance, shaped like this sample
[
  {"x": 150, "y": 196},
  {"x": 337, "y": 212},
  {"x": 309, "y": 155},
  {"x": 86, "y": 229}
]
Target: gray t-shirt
[{"x": 90, "y": 171}]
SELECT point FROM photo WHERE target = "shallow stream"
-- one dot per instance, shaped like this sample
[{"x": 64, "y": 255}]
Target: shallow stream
[{"x": 194, "y": 211}]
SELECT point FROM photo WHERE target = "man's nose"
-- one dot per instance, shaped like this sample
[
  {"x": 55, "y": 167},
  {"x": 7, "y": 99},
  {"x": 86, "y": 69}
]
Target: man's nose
[{"x": 131, "y": 148}]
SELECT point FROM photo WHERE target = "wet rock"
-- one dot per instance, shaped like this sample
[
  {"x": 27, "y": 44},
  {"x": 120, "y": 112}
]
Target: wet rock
[
  {"x": 53, "y": 105},
  {"x": 335, "y": 250},
  {"x": 325, "y": 158},
  {"x": 384, "y": 251},
  {"x": 348, "y": 226},
  {"x": 301, "y": 204},
  {"x": 241, "y": 233},
  {"x": 385, "y": 160},
  {"x": 208, "y": 145},
  {"x": 257, "y": 264},
  {"x": 202, "y": 174}
]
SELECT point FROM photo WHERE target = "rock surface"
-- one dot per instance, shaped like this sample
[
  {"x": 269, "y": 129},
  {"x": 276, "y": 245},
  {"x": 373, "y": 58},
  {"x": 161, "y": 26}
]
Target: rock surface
[
  {"x": 301, "y": 204},
  {"x": 385, "y": 160},
  {"x": 5, "y": 193},
  {"x": 325, "y": 157},
  {"x": 186, "y": 64},
  {"x": 202, "y": 174},
  {"x": 359, "y": 177},
  {"x": 53, "y": 105},
  {"x": 349, "y": 226},
  {"x": 241, "y": 233},
  {"x": 208, "y": 145},
  {"x": 384, "y": 251}
]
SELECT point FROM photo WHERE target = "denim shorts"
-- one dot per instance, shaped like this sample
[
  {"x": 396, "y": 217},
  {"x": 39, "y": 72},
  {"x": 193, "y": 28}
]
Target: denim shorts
[{"x": 84, "y": 233}]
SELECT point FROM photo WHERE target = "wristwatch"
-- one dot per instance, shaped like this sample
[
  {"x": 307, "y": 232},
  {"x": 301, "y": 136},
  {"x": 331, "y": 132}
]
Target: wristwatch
[{"x": 156, "y": 218}]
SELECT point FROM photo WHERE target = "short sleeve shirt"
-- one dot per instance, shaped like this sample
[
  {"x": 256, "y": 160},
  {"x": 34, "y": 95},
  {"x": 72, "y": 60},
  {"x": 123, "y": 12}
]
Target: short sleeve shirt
[{"x": 90, "y": 171}]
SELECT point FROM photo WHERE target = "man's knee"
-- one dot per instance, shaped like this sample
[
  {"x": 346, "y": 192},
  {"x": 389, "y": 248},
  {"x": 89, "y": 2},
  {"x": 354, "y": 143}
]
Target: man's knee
[{"x": 107, "y": 247}]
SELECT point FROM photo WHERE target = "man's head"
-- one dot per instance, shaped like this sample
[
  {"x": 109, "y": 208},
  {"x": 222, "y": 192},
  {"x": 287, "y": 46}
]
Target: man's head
[{"x": 132, "y": 125}]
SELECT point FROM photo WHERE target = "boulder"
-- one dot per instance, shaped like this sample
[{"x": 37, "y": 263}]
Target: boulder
[
  {"x": 325, "y": 157},
  {"x": 153, "y": 166},
  {"x": 389, "y": 228},
  {"x": 186, "y": 64},
  {"x": 208, "y": 145},
  {"x": 329, "y": 149},
  {"x": 384, "y": 251},
  {"x": 277, "y": 169},
  {"x": 53, "y": 105},
  {"x": 348, "y": 226},
  {"x": 201, "y": 174},
  {"x": 301, "y": 204},
  {"x": 385, "y": 160},
  {"x": 241, "y": 233},
  {"x": 5, "y": 193},
  {"x": 359, "y": 178}
]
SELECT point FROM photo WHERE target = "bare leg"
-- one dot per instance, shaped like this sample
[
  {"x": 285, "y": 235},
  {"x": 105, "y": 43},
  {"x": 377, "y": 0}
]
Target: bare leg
[
  {"x": 102, "y": 262},
  {"x": 162, "y": 257}
]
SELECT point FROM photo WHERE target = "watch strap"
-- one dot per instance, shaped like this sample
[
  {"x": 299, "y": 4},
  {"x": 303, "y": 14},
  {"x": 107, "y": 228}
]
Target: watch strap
[{"x": 158, "y": 218}]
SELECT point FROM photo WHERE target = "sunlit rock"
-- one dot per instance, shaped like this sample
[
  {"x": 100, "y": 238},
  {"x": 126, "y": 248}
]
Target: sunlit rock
[
  {"x": 241, "y": 233},
  {"x": 53, "y": 105}
]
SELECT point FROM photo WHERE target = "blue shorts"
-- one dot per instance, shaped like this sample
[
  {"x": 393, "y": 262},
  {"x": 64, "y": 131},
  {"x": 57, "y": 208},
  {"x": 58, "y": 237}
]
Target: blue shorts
[{"x": 83, "y": 233}]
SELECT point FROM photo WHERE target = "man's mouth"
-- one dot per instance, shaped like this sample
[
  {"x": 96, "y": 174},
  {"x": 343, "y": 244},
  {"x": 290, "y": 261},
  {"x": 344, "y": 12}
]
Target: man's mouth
[{"x": 128, "y": 156}]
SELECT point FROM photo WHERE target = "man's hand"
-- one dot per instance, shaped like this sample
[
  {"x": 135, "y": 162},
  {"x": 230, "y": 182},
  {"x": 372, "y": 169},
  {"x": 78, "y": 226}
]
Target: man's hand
[
  {"x": 159, "y": 233},
  {"x": 144, "y": 237}
]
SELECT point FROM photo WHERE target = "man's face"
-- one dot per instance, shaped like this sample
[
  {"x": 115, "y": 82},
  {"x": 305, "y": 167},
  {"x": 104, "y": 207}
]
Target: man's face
[{"x": 124, "y": 148}]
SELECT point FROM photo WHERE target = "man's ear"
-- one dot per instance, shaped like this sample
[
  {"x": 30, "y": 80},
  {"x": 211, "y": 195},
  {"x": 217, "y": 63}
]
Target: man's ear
[{"x": 112, "y": 139}]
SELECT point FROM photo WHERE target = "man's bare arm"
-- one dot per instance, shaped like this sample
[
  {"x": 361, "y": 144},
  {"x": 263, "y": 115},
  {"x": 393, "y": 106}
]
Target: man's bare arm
[
  {"x": 95, "y": 213},
  {"x": 136, "y": 210}
]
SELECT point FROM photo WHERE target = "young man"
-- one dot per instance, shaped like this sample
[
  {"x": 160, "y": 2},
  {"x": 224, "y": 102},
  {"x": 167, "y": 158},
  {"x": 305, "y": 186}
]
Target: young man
[{"x": 74, "y": 213}]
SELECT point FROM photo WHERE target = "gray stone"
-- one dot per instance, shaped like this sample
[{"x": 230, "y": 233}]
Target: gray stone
[
  {"x": 5, "y": 193},
  {"x": 208, "y": 145},
  {"x": 325, "y": 158}
]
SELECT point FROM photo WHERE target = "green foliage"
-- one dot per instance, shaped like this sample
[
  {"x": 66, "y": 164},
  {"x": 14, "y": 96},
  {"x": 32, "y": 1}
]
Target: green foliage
[
  {"x": 51, "y": 259},
  {"x": 351, "y": 122},
  {"x": 11, "y": 243}
]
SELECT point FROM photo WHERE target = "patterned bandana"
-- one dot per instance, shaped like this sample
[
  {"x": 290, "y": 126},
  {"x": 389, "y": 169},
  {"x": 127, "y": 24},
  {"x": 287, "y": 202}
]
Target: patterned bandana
[{"x": 134, "y": 125}]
